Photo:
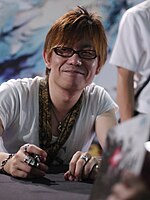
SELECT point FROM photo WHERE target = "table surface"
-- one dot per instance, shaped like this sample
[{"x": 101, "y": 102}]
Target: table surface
[{"x": 51, "y": 187}]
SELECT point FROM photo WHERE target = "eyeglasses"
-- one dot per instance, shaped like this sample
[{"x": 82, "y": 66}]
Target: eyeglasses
[{"x": 68, "y": 52}]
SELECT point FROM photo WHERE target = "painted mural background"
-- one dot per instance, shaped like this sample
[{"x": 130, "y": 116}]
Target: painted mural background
[{"x": 24, "y": 24}]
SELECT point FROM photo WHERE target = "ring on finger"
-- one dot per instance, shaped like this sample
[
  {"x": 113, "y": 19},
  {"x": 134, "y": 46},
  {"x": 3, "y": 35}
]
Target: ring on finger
[
  {"x": 98, "y": 162},
  {"x": 26, "y": 148},
  {"x": 85, "y": 158},
  {"x": 31, "y": 161},
  {"x": 96, "y": 166}
]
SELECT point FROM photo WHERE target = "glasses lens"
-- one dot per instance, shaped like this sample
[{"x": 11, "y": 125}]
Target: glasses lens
[
  {"x": 68, "y": 52},
  {"x": 63, "y": 51},
  {"x": 87, "y": 54}
]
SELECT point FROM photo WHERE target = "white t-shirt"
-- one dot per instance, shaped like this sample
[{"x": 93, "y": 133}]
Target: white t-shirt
[
  {"x": 132, "y": 48},
  {"x": 19, "y": 112}
]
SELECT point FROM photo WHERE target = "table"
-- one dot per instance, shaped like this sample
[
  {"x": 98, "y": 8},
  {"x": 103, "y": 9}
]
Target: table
[{"x": 51, "y": 187}]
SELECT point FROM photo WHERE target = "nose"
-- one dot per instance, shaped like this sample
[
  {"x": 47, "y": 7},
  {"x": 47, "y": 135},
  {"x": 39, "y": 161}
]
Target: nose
[{"x": 75, "y": 60}]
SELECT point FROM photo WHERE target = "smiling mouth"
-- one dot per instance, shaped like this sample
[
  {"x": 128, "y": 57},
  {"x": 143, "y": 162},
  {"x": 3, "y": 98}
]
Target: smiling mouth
[{"x": 73, "y": 72}]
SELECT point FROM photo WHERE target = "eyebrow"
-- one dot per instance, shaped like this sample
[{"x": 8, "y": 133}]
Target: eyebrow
[{"x": 86, "y": 46}]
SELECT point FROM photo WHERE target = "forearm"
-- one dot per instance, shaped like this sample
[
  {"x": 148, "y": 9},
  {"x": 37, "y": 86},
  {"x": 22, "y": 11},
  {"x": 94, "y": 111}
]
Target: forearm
[
  {"x": 103, "y": 123},
  {"x": 125, "y": 94}
]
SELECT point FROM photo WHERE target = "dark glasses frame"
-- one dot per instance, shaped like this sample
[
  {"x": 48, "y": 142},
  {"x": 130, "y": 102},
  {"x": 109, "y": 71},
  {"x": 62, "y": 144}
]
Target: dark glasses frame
[{"x": 68, "y": 52}]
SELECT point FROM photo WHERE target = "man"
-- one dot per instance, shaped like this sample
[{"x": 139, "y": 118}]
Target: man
[
  {"x": 131, "y": 56},
  {"x": 46, "y": 121}
]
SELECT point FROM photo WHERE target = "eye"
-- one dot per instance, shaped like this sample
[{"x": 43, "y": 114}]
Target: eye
[
  {"x": 88, "y": 53},
  {"x": 64, "y": 50}
]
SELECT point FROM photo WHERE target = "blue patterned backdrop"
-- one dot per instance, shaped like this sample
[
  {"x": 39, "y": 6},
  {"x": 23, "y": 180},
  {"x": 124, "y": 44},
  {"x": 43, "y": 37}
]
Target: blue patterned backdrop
[{"x": 24, "y": 24}]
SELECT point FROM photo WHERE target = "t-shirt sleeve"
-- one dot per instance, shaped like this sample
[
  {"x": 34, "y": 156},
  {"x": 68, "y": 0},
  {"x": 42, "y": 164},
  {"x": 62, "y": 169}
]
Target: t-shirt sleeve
[
  {"x": 128, "y": 45},
  {"x": 8, "y": 109},
  {"x": 99, "y": 100},
  {"x": 106, "y": 102}
]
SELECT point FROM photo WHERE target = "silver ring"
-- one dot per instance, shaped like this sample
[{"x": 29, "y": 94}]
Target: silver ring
[
  {"x": 85, "y": 158},
  {"x": 27, "y": 160},
  {"x": 33, "y": 162},
  {"x": 97, "y": 166},
  {"x": 26, "y": 148}
]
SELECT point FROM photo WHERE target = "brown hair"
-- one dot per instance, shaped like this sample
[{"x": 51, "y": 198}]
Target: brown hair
[{"x": 75, "y": 25}]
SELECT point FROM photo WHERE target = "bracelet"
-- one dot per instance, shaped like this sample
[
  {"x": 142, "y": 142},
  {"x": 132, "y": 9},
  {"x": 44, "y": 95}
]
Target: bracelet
[{"x": 3, "y": 163}]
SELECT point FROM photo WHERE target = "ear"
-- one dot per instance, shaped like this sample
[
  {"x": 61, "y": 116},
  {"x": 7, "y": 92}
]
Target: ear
[
  {"x": 98, "y": 66},
  {"x": 46, "y": 58},
  {"x": 98, "y": 70}
]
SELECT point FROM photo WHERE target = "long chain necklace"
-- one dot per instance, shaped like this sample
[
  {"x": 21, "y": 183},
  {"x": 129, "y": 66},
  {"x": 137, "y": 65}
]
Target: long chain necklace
[{"x": 60, "y": 124}]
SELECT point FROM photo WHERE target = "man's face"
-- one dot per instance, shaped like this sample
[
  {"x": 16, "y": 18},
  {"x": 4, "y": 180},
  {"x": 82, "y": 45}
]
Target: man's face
[{"x": 73, "y": 72}]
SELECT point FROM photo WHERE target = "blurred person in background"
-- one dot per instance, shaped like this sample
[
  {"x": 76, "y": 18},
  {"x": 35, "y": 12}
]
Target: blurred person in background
[{"x": 131, "y": 55}]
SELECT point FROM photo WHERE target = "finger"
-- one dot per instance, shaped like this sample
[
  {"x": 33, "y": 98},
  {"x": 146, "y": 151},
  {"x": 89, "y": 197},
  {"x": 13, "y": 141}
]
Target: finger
[
  {"x": 33, "y": 149},
  {"x": 19, "y": 163},
  {"x": 69, "y": 177},
  {"x": 81, "y": 163},
  {"x": 24, "y": 163},
  {"x": 30, "y": 161},
  {"x": 30, "y": 171},
  {"x": 36, "y": 172},
  {"x": 66, "y": 175},
  {"x": 19, "y": 173},
  {"x": 22, "y": 173},
  {"x": 72, "y": 164},
  {"x": 43, "y": 167},
  {"x": 19, "y": 168},
  {"x": 90, "y": 168}
]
